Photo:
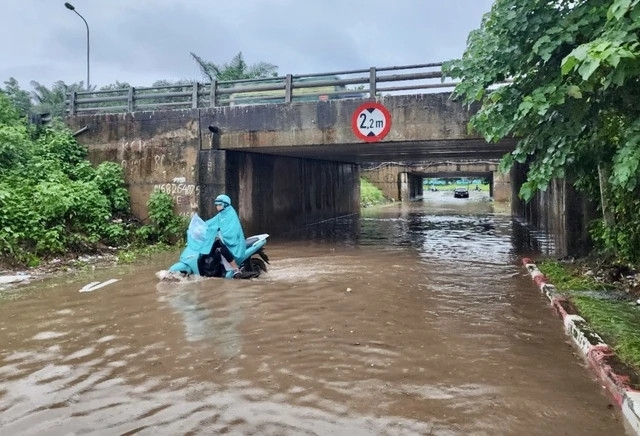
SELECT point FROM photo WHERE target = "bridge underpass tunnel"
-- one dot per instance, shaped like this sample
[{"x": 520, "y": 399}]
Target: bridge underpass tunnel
[
  {"x": 458, "y": 187},
  {"x": 411, "y": 181}
]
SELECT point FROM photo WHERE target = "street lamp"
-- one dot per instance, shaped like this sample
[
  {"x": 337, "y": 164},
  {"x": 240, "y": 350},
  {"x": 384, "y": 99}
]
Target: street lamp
[{"x": 71, "y": 8}]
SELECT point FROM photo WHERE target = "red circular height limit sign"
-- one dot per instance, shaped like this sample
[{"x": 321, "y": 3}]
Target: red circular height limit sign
[{"x": 371, "y": 121}]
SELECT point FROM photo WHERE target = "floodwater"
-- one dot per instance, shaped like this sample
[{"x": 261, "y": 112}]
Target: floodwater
[{"x": 413, "y": 319}]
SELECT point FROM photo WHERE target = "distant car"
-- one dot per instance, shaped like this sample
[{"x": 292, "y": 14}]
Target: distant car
[{"x": 461, "y": 193}]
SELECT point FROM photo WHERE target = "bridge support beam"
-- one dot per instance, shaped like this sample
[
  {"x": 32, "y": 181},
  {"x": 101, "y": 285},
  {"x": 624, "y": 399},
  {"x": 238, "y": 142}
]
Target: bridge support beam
[
  {"x": 410, "y": 187},
  {"x": 500, "y": 187}
]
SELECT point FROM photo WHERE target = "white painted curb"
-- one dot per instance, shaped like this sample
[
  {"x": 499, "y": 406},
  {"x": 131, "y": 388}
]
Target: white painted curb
[{"x": 593, "y": 349}]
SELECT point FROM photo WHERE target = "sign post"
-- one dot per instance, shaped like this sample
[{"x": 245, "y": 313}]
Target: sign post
[{"x": 371, "y": 121}]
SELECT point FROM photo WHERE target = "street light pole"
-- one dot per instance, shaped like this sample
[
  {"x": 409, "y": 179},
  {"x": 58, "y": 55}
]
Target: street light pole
[{"x": 72, "y": 8}]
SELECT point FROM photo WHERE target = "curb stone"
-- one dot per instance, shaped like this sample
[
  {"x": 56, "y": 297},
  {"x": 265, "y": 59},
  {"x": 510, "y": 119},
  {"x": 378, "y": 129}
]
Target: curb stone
[{"x": 595, "y": 351}]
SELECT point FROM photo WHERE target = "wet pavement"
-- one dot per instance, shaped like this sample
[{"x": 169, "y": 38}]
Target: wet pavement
[{"x": 412, "y": 319}]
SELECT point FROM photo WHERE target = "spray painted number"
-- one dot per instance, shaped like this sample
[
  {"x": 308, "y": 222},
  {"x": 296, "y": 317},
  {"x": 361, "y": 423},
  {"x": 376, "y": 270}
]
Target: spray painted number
[{"x": 371, "y": 122}]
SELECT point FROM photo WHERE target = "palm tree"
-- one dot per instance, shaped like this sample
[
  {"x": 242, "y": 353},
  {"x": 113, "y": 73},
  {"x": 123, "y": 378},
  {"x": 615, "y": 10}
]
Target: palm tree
[
  {"x": 53, "y": 101},
  {"x": 236, "y": 69}
]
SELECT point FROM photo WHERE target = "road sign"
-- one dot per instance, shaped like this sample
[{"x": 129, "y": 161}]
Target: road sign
[{"x": 371, "y": 122}]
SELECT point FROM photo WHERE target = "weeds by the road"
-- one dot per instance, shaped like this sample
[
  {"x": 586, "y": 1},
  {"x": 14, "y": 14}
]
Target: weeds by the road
[
  {"x": 454, "y": 186},
  {"x": 610, "y": 308},
  {"x": 133, "y": 254},
  {"x": 370, "y": 195}
]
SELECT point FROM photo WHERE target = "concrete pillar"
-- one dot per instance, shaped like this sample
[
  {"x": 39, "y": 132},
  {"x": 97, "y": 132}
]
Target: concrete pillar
[
  {"x": 500, "y": 187},
  {"x": 212, "y": 180},
  {"x": 405, "y": 189}
]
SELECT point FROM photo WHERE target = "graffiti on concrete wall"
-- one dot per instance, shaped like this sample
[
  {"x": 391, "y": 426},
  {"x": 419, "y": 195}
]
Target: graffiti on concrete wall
[
  {"x": 158, "y": 162},
  {"x": 185, "y": 195}
]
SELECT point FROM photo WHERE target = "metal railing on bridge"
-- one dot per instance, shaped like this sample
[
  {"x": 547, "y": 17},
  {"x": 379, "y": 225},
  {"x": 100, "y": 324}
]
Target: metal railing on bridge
[{"x": 365, "y": 83}]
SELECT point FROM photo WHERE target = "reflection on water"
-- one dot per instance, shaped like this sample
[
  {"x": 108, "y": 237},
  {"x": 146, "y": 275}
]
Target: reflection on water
[
  {"x": 411, "y": 319},
  {"x": 217, "y": 325}
]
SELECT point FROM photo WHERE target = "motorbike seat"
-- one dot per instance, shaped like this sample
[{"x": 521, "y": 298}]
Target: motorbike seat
[{"x": 250, "y": 241}]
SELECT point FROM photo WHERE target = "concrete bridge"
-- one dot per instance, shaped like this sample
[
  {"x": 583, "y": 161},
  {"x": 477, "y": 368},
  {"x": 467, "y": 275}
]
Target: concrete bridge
[{"x": 284, "y": 165}]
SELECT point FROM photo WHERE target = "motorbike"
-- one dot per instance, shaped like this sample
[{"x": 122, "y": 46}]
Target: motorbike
[{"x": 197, "y": 258}]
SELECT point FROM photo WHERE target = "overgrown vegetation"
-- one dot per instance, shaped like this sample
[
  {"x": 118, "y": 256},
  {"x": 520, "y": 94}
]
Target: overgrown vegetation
[
  {"x": 615, "y": 319},
  {"x": 573, "y": 71},
  {"x": 236, "y": 69},
  {"x": 53, "y": 202},
  {"x": 370, "y": 195}
]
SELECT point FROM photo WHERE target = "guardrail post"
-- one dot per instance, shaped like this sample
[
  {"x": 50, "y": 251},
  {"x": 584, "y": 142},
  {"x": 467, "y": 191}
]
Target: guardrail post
[
  {"x": 73, "y": 103},
  {"x": 288, "y": 89},
  {"x": 372, "y": 82},
  {"x": 131, "y": 105},
  {"x": 213, "y": 93},
  {"x": 194, "y": 96}
]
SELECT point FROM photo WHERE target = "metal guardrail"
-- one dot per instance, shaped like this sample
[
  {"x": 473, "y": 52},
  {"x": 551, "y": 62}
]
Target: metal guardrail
[{"x": 282, "y": 89}]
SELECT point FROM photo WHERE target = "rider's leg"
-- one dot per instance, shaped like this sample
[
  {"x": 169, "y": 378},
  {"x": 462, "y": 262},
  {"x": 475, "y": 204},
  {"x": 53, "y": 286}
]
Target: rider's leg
[{"x": 229, "y": 258}]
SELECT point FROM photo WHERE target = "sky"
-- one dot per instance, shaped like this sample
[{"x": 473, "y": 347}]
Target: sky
[{"x": 141, "y": 41}]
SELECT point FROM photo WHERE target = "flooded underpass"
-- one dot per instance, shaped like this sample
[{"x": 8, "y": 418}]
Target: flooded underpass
[{"x": 411, "y": 319}]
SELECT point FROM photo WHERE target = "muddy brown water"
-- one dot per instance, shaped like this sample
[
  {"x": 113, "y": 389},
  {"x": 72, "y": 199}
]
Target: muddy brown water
[{"x": 413, "y": 319}]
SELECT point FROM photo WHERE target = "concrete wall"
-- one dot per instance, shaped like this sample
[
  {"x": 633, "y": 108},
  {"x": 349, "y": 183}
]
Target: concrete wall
[
  {"x": 425, "y": 117},
  {"x": 157, "y": 150},
  {"x": 561, "y": 212},
  {"x": 171, "y": 151}
]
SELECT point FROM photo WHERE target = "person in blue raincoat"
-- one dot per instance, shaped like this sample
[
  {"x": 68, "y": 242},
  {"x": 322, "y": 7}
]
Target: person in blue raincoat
[{"x": 229, "y": 234}]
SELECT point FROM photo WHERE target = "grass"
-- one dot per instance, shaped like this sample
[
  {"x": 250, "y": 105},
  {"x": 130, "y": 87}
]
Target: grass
[
  {"x": 132, "y": 255},
  {"x": 370, "y": 195},
  {"x": 617, "y": 321},
  {"x": 471, "y": 187}
]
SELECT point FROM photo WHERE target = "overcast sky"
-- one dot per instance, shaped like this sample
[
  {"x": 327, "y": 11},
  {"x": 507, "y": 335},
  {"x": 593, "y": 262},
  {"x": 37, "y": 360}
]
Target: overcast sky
[{"x": 140, "y": 41}]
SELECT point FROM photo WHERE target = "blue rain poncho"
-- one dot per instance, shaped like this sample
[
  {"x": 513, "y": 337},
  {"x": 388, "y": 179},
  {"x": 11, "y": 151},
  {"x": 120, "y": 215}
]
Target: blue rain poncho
[
  {"x": 200, "y": 237},
  {"x": 226, "y": 225}
]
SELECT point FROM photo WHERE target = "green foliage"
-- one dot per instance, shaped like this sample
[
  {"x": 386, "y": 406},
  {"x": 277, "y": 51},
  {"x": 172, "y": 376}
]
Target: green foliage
[
  {"x": 574, "y": 83},
  {"x": 615, "y": 320},
  {"x": 133, "y": 254},
  {"x": 19, "y": 98},
  {"x": 623, "y": 237},
  {"x": 165, "y": 227},
  {"x": 110, "y": 180},
  {"x": 369, "y": 194},
  {"x": 568, "y": 280},
  {"x": 52, "y": 100},
  {"x": 235, "y": 70},
  {"x": 57, "y": 144},
  {"x": 51, "y": 199}
]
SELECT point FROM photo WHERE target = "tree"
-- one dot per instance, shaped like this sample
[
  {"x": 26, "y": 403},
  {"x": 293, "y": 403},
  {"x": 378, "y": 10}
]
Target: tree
[
  {"x": 52, "y": 100},
  {"x": 115, "y": 86},
  {"x": 574, "y": 71},
  {"x": 236, "y": 69},
  {"x": 19, "y": 98}
]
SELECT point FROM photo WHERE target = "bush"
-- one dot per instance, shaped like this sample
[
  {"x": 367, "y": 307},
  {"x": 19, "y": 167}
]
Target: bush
[
  {"x": 51, "y": 199},
  {"x": 165, "y": 227},
  {"x": 369, "y": 194}
]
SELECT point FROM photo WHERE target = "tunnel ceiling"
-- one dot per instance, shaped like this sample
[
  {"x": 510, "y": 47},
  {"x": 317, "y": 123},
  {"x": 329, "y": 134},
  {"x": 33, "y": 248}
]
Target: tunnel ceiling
[{"x": 471, "y": 149}]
